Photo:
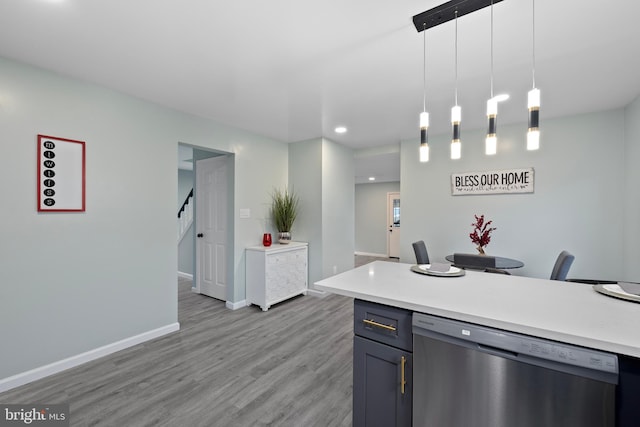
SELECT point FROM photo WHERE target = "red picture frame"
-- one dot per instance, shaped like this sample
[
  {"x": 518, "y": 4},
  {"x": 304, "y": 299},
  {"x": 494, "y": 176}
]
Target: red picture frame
[{"x": 61, "y": 174}]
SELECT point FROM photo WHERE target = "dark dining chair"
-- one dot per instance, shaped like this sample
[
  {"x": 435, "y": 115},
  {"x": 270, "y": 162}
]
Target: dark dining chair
[
  {"x": 474, "y": 261},
  {"x": 484, "y": 263},
  {"x": 420, "y": 249},
  {"x": 562, "y": 265}
]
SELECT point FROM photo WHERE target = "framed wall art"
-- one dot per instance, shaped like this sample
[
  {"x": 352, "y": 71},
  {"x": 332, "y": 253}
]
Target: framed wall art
[{"x": 61, "y": 174}]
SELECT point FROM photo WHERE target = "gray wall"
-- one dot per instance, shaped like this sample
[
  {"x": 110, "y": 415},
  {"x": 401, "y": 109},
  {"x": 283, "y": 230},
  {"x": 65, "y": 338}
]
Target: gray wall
[
  {"x": 186, "y": 260},
  {"x": 305, "y": 177},
  {"x": 578, "y": 205},
  {"x": 84, "y": 280},
  {"x": 631, "y": 248},
  {"x": 322, "y": 172},
  {"x": 371, "y": 212},
  {"x": 338, "y": 208}
]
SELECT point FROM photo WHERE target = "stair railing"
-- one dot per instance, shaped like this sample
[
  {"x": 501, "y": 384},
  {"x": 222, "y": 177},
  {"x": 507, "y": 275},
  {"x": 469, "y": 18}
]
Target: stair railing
[{"x": 185, "y": 216}]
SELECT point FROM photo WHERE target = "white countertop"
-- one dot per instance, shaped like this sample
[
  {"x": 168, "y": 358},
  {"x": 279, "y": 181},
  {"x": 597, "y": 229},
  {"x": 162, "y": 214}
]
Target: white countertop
[{"x": 561, "y": 311}]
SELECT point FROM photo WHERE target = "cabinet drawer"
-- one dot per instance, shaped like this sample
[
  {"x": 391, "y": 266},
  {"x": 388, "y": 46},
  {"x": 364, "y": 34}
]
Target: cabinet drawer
[{"x": 389, "y": 325}]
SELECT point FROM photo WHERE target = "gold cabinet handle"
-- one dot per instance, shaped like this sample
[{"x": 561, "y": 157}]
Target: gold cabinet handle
[
  {"x": 402, "y": 379},
  {"x": 379, "y": 325}
]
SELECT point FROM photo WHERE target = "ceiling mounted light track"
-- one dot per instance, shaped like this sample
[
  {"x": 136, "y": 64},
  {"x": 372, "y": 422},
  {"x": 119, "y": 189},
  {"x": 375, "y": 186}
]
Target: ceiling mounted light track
[{"x": 447, "y": 12}]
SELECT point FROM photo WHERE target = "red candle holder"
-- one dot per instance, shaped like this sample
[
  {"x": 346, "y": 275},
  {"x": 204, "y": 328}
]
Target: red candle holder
[{"x": 266, "y": 239}]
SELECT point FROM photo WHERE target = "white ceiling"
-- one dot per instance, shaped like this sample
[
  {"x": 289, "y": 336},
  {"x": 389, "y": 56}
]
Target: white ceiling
[{"x": 295, "y": 69}]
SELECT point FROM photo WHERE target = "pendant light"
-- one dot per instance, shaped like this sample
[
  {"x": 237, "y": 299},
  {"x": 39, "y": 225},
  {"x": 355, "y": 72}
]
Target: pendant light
[
  {"x": 424, "y": 116},
  {"x": 456, "y": 111},
  {"x": 533, "y": 97}
]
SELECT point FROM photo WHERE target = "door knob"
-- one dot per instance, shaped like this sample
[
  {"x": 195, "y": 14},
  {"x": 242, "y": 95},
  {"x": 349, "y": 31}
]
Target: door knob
[{"x": 199, "y": 235}]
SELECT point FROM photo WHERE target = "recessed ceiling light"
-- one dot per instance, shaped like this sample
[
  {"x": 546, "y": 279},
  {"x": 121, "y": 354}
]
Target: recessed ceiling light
[
  {"x": 372, "y": 178},
  {"x": 340, "y": 129},
  {"x": 501, "y": 97}
]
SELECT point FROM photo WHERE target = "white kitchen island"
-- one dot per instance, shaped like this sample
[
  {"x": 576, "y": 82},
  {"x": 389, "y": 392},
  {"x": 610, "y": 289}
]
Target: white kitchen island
[{"x": 562, "y": 311}]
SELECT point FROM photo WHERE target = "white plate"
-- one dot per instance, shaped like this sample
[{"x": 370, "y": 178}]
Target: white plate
[
  {"x": 617, "y": 292},
  {"x": 426, "y": 269}
]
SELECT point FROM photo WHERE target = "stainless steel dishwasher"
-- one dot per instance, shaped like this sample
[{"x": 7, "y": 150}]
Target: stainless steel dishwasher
[{"x": 467, "y": 375}]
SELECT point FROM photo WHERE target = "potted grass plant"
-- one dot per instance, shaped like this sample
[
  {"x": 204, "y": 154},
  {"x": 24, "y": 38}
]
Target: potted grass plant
[{"x": 284, "y": 210}]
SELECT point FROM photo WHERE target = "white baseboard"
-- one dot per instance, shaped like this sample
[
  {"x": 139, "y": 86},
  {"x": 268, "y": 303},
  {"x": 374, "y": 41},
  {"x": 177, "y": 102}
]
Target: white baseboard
[
  {"x": 185, "y": 275},
  {"x": 70, "y": 362},
  {"x": 317, "y": 293},
  {"x": 371, "y": 254},
  {"x": 236, "y": 305}
]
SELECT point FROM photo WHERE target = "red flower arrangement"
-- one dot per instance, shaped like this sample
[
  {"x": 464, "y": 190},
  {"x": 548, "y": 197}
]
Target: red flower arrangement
[{"x": 481, "y": 234}]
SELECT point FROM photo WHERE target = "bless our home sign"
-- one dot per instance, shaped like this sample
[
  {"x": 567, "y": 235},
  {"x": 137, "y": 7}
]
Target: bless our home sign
[{"x": 492, "y": 182}]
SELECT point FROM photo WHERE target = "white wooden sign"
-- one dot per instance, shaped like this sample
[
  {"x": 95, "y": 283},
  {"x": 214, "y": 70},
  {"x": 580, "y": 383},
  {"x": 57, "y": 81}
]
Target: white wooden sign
[
  {"x": 492, "y": 182},
  {"x": 61, "y": 175}
]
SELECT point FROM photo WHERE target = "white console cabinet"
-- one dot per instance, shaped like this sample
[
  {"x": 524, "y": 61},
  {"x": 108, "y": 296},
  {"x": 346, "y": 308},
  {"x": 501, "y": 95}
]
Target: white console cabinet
[{"x": 276, "y": 273}]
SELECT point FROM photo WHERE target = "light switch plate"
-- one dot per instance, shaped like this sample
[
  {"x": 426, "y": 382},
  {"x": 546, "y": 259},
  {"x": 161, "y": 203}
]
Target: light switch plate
[{"x": 245, "y": 213}]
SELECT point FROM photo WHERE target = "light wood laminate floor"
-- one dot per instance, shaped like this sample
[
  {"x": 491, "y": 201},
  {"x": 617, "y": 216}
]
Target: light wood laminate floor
[{"x": 289, "y": 366}]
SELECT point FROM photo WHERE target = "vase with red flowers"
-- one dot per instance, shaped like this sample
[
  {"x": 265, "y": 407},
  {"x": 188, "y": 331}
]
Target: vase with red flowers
[{"x": 481, "y": 234}]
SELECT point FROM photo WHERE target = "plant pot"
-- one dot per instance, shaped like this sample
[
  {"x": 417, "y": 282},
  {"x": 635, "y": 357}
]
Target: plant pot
[{"x": 284, "y": 237}]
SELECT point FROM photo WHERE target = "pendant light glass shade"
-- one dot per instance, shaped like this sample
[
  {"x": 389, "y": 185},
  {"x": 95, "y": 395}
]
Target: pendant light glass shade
[
  {"x": 491, "y": 142},
  {"x": 533, "y": 134},
  {"x": 456, "y": 146},
  {"x": 424, "y": 145}
]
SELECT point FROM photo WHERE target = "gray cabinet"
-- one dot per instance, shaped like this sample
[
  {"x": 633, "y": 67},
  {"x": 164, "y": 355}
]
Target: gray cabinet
[{"x": 382, "y": 366}]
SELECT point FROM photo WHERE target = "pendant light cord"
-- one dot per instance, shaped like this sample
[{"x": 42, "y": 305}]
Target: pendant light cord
[
  {"x": 424, "y": 67},
  {"x": 456, "y": 61},
  {"x": 491, "y": 48},
  {"x": 533, "y": 44}
]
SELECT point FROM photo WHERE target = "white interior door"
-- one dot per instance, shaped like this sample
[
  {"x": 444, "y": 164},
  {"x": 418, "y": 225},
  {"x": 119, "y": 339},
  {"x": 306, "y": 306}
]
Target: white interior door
[
  {"x": 393, "y": 225},
  {"x": 211, "y": 227}
]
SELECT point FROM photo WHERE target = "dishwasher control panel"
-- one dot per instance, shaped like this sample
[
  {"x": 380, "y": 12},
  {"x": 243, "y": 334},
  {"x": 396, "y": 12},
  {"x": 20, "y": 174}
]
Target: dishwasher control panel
[
  {"x": 565, "y": 353},
  {"x": 513, "y": 345}
]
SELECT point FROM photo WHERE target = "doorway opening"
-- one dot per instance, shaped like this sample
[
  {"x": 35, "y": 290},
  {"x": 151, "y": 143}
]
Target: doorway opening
[
  {"x": 206, "y": 252},
  {"x": 393, "y": 222}
]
